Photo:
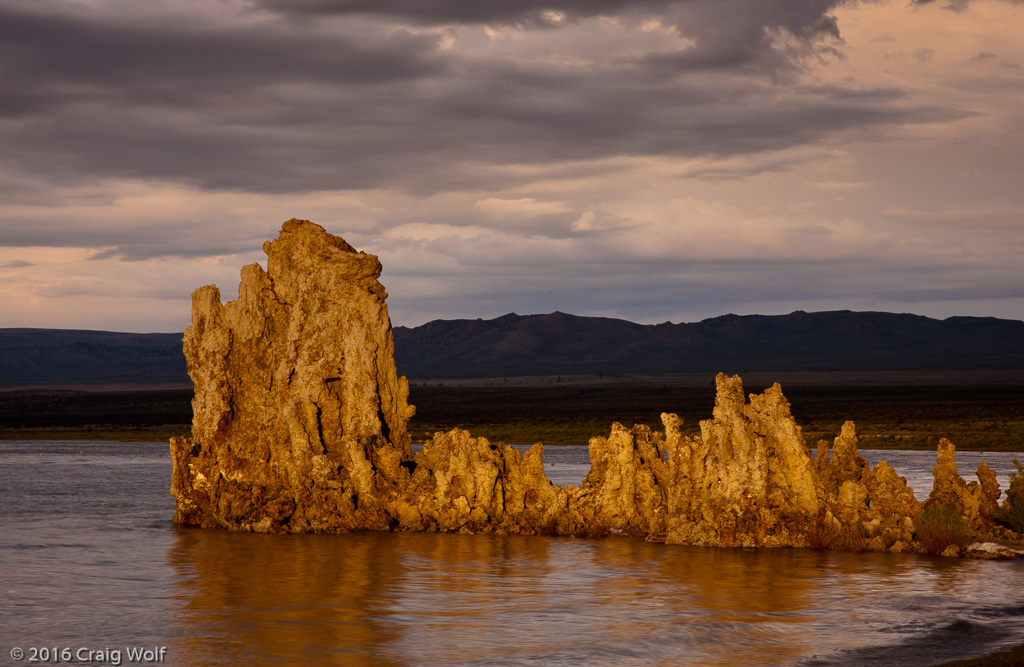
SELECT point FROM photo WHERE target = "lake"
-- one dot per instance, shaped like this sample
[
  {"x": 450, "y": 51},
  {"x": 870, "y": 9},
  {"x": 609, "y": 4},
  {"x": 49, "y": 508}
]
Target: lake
[{"x": 90, "y": 562}]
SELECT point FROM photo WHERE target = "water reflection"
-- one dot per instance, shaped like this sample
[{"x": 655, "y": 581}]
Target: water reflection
[
  {"x": 412, "y": 598},
  {"x": 267, "y": 599},
  {"x": 88, "y": 558}
]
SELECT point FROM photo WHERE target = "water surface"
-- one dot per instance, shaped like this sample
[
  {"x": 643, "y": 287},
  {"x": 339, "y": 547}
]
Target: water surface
[{"x": 89, "y": 558}]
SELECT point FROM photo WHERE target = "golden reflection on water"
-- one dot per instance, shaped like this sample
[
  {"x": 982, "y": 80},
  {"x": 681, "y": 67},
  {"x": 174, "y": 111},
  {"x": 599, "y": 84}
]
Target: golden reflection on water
[
  {"x": 414, "y": 598},
  {"x": 281, "y": 599}
]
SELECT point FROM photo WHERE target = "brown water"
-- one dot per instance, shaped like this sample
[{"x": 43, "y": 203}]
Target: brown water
[{"x": 88, "y": 558}]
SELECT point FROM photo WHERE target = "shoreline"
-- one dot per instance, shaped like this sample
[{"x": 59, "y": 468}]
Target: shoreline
[
  {"x": 160, "y": 434},
  {"x": 163, "y": 434},
  {"x": 750, "y": 379},
  {"x": 1012, "y": 657},
  {"x": 166, "y": 432},
  {"x": 889, "y": 415}
]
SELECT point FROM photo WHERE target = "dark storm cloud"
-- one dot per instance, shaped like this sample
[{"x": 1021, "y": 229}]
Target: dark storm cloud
[
  {"x": 727, "y": 33},
  {"x": 291, "y": 105},
  {"x": 210, "y": 106},
  {"x": 442, "y": 12},
  {"x": 801, "y": 17},
  {"x": 48, "y": 60}
]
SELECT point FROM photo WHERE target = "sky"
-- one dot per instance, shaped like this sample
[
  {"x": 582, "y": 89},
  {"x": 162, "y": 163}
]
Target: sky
[{"x": 652, "y": 160}]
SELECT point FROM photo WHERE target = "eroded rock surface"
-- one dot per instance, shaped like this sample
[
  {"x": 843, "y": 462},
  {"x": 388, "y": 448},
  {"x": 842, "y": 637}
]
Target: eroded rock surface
[
  {"x": 298, "y": 415},
  {"x": 977, "y": 501},
  {"x": 300, "y": 426},
  {"x": 748, "y": 479}
]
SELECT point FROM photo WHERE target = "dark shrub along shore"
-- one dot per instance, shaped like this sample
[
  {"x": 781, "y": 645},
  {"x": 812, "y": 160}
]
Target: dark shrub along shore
[{"x": 569, "y": 411}]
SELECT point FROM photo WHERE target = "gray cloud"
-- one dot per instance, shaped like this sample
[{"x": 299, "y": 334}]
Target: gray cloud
[
  {"x": 285, "y": 107},
  {"x": 55, "y": 59},
  {"x": 727, "y": 33},
  {"x": 693, "y": 290},
  {"x": 619, "y": 157},
  {"x": 435, "y": 12},
  {"x": 133, "y": 240},
  {"x": 954, "y": 5}
]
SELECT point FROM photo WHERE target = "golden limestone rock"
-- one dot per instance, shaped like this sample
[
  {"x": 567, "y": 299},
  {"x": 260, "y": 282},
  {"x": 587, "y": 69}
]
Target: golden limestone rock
[
  {"x": 297, "y": 403},
  {"x": 749, "y": 477},
  {"x": 978, "y": 502},
  {"x": 299, "y": 416},
  {"x": 624, "y": 492},
  {"x": 299, "y": 425},
  {"x": 465, "y": 484},
  {"x": 865, "y": 508}
]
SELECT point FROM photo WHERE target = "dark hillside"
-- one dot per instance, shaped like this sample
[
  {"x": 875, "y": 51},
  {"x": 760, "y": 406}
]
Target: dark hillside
[
  {"x": 827, "y": 341},
  {"x": 65, "y": 356},
  {"x": 559, "y": 343}
]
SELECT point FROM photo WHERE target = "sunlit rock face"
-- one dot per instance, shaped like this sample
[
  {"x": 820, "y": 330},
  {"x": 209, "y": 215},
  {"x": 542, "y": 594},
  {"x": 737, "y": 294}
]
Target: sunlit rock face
[
  {"x": 300, "y": 418},
  {"x": 863, "y": 508},
  {"x": 300, "y": 426},
  {"x": 977, "y": 502},
  {"x": 750, "y": 479},
  {"x": 298, "y": 413}
]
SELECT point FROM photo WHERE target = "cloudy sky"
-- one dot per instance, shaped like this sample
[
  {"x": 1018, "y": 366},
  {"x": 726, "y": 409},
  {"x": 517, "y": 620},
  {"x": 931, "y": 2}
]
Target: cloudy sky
[{"x": 646, "y": 159}]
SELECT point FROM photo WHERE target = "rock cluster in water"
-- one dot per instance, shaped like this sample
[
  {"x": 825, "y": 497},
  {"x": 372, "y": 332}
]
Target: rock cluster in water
[{"x": 300, "y": 426}]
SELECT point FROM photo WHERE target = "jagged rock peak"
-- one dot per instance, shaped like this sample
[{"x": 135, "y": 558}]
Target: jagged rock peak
[{"x": 293, "y": 380}]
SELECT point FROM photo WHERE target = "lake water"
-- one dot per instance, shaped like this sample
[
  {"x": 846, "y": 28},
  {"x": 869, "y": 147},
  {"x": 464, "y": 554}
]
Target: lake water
[{"x": 89, "y": 561}]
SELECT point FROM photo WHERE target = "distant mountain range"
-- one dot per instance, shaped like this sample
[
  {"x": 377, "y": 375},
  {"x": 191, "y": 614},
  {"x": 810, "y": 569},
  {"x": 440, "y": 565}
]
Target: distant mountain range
[
  {"x": 70, "y": 356},
  {"x": 558, "y": 343},
  {"x": 826, "y": 341}
]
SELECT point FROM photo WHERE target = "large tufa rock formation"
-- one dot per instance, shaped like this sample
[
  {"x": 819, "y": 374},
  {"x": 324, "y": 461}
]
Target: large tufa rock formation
[
  {"x": 298, "y": 409},
  {"x": 747, "y": 479},
  {"x": 300, "y": 417},
  {"x": 300, "y": 425},
  {"x": 977, "y": 502}
]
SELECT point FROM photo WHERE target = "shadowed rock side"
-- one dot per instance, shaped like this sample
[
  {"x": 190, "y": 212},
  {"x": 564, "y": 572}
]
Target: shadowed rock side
[{"x": 300, "y": 426}]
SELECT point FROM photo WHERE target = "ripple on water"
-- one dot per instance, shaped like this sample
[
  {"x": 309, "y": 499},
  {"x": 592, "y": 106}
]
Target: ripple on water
[{"x": 90, "y": 558}]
